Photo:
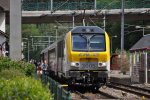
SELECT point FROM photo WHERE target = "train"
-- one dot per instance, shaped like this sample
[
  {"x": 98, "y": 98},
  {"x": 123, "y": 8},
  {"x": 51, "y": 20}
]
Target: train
[{"x": 81, "y": 57}]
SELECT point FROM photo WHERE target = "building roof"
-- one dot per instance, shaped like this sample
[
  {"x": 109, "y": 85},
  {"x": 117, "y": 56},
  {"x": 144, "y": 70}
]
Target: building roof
[
  {"x": 142, "y": 44},
  {"x": 4, "y": 4},
  {"x": 5, "y": 34}
]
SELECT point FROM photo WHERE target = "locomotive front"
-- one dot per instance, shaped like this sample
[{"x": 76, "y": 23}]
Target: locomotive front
[{"x": 88, "y": 53}]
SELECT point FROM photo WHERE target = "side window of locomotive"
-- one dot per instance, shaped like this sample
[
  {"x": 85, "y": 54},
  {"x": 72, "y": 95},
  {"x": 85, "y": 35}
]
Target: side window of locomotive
[
  {"x": 79, "y": 42},
  {"x": 97, "y": 42}
]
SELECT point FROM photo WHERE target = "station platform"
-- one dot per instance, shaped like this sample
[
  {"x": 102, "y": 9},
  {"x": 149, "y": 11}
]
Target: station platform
[{"x": 117, "y": 77}]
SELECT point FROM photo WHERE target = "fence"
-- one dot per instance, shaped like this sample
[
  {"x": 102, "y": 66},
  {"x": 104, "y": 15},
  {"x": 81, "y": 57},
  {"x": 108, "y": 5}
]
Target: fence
[
  {"x": 70, "y": 5},
  {"x": 116, "y": 4},
  {"x": 42, "y": 6},
  {"x": 56, "y": 89}
]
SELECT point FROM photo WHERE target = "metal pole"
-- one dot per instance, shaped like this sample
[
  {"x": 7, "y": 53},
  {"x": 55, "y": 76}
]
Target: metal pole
[
  {"x": 122, "y": 27},
  {"x": 73, "y": 21},
  {"x": 146, "y": 67},
  {"x": 56, "y": 32},
  {"x": 143, "y": 31},
  {"x": 28, "y": 51},
  {"x": 49, "y": 40},
  {"x": 83, "y": 22},
  {"x": 32, "y": 42},
  {"x": 51, "y": 5},
  {"x": 84, "y": 18},
  {"x": 56, "y": 46},
  {"x": 35, "y": 47},
  {"x": 122, "y": 32},
  {"x": 104, "y": 21},
  {"x": 95, "y": 3},
  {"x": 131, "y": 62}
]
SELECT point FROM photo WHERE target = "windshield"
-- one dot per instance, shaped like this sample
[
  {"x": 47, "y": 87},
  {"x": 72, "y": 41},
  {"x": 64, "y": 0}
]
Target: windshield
[
  {"x": 88, "y": 42},
  {"x": 79, "y": 42}
]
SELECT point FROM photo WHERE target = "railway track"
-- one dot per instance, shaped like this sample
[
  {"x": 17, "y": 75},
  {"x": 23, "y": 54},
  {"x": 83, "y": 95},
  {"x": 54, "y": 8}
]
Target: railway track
[
  {"x": 92, "y": 95},
  {"x": 132, "y": 89},
  {"x": 82, "y": 95}
]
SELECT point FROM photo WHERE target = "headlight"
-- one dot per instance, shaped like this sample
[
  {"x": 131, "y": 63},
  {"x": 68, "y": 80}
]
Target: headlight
[
  {"x": 101, "y": 64},
  {"x": 75, "y": 64}
]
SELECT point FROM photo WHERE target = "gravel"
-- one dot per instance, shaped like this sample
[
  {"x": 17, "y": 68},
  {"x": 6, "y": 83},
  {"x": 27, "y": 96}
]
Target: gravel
[{"x": 120, "y": 94}]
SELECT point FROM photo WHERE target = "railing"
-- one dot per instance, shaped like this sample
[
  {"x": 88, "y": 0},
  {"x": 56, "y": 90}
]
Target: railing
[
  {"x": 116, "y": 4},
  {"x": 56, "y": 89},
  {"x": 101, "y": 4},
  {"x": 42, "y": 6}
]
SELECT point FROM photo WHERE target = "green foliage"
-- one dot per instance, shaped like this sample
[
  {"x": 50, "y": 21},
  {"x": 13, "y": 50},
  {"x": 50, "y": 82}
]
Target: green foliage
[
  {"x": 108, "y": 4},
  {"x": 10, "y": 74},
  {"x": 14, "y": 85},
  {"x": 148, "y": 52},
  {"x": 26, "y": 68},
  {"x": 29, "y": 69},
  {"x": 28, "y": 30},
  {"x": 23, "y": 89},
  {"x": 4, "y": 63},
  {"x": 41, "y": 30}
]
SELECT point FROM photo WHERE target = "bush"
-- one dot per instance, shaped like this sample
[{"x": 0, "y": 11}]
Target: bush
[
  {"x": 10, "y": 74},
  {"x": 125, "y": 61},
  {"x": 4, "y": 61},
  {"x": 23, "y": 89},
  {"x": 26, "y": 68}
]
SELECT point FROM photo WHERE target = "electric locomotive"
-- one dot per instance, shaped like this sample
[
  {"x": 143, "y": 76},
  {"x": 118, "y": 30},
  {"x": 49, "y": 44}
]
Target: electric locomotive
[{"x": 81, "y": 57}]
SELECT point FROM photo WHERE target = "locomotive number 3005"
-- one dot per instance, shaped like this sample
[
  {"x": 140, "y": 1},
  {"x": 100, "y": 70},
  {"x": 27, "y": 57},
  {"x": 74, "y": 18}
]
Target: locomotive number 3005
[{"x": 87, "y": 65}]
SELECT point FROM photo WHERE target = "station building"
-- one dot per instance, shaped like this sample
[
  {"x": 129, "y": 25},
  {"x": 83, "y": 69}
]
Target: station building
[
  {"x": 3, "y": 44},
  {"x": 4, "y": 9},
  {"x": 140, "y": 61}
]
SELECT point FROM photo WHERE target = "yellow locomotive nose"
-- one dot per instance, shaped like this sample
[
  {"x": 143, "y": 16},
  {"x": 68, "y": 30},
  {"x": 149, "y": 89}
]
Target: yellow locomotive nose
[{"x": 89, "y": 57}]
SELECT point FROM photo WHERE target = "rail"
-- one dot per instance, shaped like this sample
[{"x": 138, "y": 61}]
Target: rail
[{"x": 131, "y": 89}]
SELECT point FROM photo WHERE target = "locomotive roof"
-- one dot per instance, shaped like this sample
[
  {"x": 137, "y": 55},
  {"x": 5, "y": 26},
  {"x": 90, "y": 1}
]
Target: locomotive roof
[{"x": 90, "y": 29}]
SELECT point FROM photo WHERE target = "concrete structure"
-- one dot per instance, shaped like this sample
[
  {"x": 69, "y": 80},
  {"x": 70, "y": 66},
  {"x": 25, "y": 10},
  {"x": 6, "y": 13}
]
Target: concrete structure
[
  {"x": 15, "y": 30},
  {"x": 94, "y": 15},
  {"x": 140, "y": 60},
  {"x": 133, "y": 11},
  {"x": 48, "y": 11}
]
